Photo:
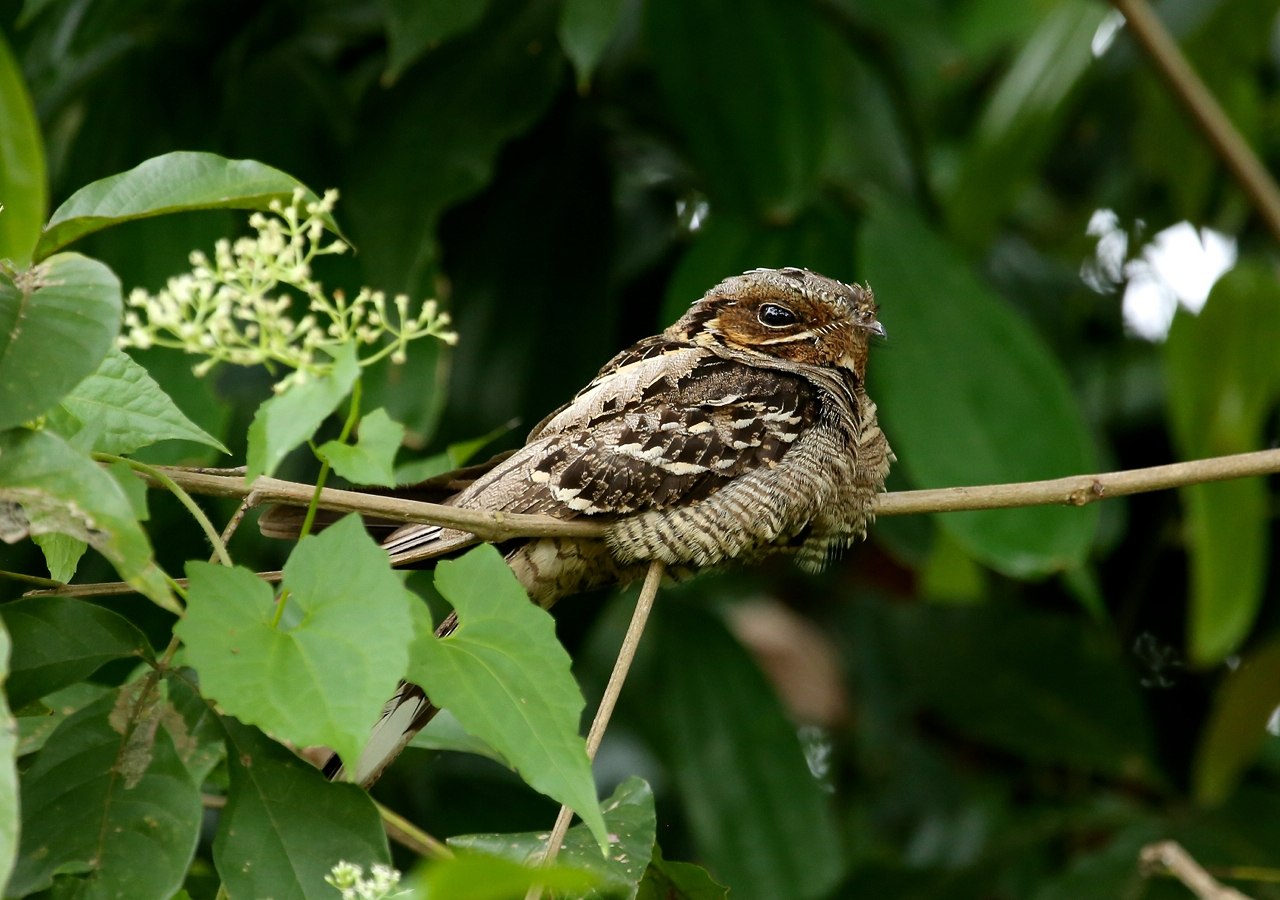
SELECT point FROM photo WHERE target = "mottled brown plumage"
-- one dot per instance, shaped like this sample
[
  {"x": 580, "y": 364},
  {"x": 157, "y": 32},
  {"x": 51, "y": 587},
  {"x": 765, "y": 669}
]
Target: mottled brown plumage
[{"x": 741, "y": 431}]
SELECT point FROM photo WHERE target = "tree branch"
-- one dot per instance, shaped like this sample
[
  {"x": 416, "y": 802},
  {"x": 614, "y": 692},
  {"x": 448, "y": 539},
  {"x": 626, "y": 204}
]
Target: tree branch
[
  {"x": 485, "y": 524},
  {"x": 604, "y": 712},
  {"x": 1204, "y": 108},
  {"x": 1170, "y": 857},
  {"x": 1080, "y": 490},
  {"x": 1074, "y": 490}
]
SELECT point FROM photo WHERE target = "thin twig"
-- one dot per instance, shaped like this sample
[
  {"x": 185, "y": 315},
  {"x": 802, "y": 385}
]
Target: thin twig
[
  {"x": 234, "y": 523},
  {"x": 621, "y": 666},
  {"x": 160, "y": 475},
  {"x": 1187, "y": 86},
  {"x": 410, "y": 836},
  {"x": 119, "y": 588},
  {"x": 1080, "y": 490},
  {"x": 1170, "y": 857}
]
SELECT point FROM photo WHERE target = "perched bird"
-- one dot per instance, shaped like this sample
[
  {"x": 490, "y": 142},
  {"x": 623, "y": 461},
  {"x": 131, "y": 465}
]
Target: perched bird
[{"x": 741, "y": 431}]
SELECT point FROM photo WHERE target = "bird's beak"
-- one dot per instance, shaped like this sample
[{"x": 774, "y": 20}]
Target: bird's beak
[{"x": 876, "y": 328}]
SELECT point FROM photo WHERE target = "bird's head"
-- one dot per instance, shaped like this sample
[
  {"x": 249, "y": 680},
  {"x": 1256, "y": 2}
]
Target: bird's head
[{"x": 790, "y": 314}]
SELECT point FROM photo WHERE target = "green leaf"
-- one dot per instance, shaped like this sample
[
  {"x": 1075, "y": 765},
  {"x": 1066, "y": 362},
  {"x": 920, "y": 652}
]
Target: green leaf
[
  {"x": 39, "y": 720},
  {"x": 1216, "y": 410},
  {"x": 62, "y": 554},
  {"x": 57, "y": 322},
  {"x": 321, "y": 675},
  {"x": 1024, "y": 114},
  {"x": 419, "y": 409},
  {"x": 422, "y": 469},
  {"x": 63, "y": 491},
  {"x": 436, "y": 137},
  {"x": 586, "y": 27},
  {"x": 135, "y": 489},
  {"x": 753, "y": 119},
  {"x": 58, "y": 641},
  {"x": 631, "y": 822},
  {"x": 506, "y": 678},
  {"x": 413, "y": 27},
  {"x": 24, "y": 190},
  {"x": 969, "y": 394},
  {"x": 760, "y": 819},
  {"x": 287, "y": 420},
  {"x": 1108, "y": 871},
  {"x": 81, "y": 817},
  {"x": 459, "y": 453},
  {"x": 202, "y": 401},
  {"x": 728, "y": 244},
  {"x": 285, "y": 826},
  {"x": 371, "y": 460},
  {"x": 175, "y": 182},
  {"x": 201, "y": 745},
  {"x": 1229, "y": 548},
  {"x": 867, "y": 136},
  {"x": 476, "y": 876},
  {"x": 8, "y": 769},
  {"x": 1077, "y": 702},
  {"x": 1241, "y": 832},
  {"x": 124, "y": 408},
  {"x": 1237, "y": 727},
  {"x": 667, "y": 880},
  {"x": 445, "y": 732}
]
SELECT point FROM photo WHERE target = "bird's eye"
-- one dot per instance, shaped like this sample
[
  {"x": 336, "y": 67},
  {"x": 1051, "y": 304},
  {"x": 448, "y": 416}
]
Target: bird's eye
[{"x": 775, "y": 316}]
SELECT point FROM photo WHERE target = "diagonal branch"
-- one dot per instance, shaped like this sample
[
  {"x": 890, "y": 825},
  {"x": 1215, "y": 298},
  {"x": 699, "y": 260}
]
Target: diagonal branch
[
  {"x": 621, "y": 666},
  {"x": 1204, "y": 108}
]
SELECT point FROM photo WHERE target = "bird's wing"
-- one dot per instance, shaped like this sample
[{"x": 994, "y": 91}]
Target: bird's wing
[{"x": 662, "y": 429}]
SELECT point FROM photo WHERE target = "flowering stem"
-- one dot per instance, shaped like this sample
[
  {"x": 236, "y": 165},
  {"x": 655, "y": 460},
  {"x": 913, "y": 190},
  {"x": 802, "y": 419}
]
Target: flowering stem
[{"x": 353, "y": 416}]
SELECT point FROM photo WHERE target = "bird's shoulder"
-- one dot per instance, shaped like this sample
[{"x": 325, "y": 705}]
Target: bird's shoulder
[{"x": 665, "y": 423}]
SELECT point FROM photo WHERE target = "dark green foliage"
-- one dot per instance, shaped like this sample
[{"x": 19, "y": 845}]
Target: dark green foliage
[{"x": 1013, "y": 703}]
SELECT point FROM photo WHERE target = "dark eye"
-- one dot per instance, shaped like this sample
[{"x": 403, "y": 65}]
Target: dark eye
[{"x": 775, "y": 316}]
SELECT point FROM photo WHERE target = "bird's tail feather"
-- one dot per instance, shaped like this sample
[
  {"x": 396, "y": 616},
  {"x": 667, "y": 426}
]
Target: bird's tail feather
[{"x": 405, "y": 714}]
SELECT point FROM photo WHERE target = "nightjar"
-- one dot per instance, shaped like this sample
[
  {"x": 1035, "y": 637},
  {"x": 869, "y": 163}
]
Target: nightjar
[{"x": 741, "y": 431}]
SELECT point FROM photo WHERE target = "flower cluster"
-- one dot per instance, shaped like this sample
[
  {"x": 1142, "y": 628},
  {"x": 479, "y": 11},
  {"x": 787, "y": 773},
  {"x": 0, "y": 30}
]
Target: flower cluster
[
  {"x": 236, "y": 308},
  {"x": 349, "y": 878}
]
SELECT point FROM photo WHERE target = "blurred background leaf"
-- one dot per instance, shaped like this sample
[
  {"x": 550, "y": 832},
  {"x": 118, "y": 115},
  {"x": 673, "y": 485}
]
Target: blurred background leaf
[
  {"x": 1023, "y": 698},
  {"x": 23, "y": 188},
  {"x": 971, "y": 395},
  {"x": 1227, "y": 407}
]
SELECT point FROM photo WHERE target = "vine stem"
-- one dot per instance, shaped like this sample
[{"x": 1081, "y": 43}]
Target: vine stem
[
  {"x": 1204, "y": 108},
  {"x": 313, "y": 506},
  {"x": 621, "y": 666},
  {"x": 31, "y": 579},
  {"x": 160, "y": 475},
  {"x": 410, "y": 836}
]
